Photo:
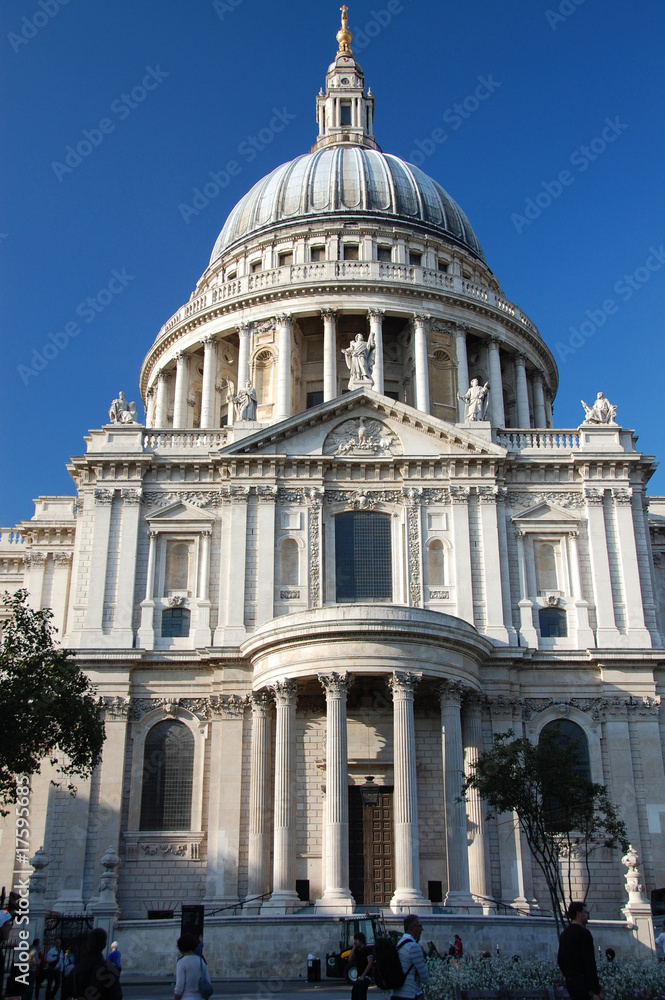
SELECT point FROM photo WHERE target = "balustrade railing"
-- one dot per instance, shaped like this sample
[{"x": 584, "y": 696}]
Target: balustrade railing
[
  {"x": 164, "y": 440},
  {"x": 10, "y": 536},
  {"x": 554, "y": 440}
]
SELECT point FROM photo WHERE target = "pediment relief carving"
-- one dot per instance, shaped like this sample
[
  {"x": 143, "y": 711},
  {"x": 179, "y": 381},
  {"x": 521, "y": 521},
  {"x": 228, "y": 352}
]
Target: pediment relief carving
[{"x": 362, "y": 436}]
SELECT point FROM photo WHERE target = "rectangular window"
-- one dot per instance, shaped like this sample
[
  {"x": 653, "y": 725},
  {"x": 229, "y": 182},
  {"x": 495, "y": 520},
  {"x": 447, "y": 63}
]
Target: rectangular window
[
  {"x": 350, "y": 251},
  {"x": 443, "y": 266},
  {"x": 313, "y": 399},
  {"x": 255, "y": 266},
  {"x": 384, "y": 253},
  {"x": 363, "y": 557},
  {"x": 232, "y": 275},
  {"x": 285, "y": 258},
  {"x": 317, "y": 253},
  {"x": 415, "y": 259},
  {"x": 345, "y": 113}
]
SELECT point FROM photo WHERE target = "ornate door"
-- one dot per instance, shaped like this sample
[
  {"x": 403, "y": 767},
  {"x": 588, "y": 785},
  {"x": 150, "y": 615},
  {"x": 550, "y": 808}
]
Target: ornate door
[{"x": 371, "y": 865}]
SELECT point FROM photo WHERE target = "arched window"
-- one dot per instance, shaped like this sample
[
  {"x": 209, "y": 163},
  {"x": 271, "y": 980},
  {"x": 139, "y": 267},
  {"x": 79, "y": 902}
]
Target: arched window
[
  {"x": 561, "y": 804},
  {"x": 363, "y": 557},
  {"x": 168, "y": 768},
  {"x": 545, "y": 558},
  {"x": 289, "y": 560},
  {"x": 553, "y": 624},
  {"x": 435, "y": 563},
  {"x": 565, "y": 734},
  {"x": 175, "y": 622}
]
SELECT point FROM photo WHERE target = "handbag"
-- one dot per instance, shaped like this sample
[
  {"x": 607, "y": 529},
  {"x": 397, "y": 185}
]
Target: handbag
[{"x": 205, "y": 986}]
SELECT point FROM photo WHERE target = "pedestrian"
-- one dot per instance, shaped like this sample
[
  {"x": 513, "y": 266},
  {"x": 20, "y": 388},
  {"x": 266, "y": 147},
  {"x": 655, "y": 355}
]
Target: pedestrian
[
  {"x": 93, "y": 977},
  {"x": 458, "y": 947},
  {"x": 577, "y": 958},
  {"x": 114, "y": 956},
  {"x": 55, "y": 960},
  {"x": 660, "y": 944},
  {"x": 412, "y": 960},
  {"x": 40, "y": 973},
  {"x": 362, "y": 958},
  {"x": 189, "y": 970}
]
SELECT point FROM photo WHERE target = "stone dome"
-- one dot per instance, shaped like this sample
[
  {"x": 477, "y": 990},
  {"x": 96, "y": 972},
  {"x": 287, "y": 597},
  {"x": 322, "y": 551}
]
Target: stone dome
[{"x": 348, "y": 179}]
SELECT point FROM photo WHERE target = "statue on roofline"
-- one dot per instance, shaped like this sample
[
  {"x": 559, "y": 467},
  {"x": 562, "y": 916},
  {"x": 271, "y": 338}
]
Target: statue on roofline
[
  {"x": 602, "y": 411},
  {"x": 475, "y": 401},
  {"x": 122, "y": 412}
]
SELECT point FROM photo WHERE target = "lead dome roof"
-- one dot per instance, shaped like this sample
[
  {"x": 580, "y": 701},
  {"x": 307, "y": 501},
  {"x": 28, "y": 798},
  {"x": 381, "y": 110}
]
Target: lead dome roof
[{"x": 347, "y": 179}]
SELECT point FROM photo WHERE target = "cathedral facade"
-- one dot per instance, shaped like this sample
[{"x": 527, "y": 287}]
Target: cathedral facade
[{"x": 347, "y": 548}]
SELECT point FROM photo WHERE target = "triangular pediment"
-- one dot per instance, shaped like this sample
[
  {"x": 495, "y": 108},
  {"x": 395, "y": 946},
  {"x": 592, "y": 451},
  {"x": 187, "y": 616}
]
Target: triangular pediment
[
  {"x": 180, "y": 512},
  {"x": 361, "y": 424},
  {"x": 545, "y": 513}
]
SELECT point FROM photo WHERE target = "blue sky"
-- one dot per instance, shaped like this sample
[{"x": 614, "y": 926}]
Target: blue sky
[{"x": 96, "y": 255}]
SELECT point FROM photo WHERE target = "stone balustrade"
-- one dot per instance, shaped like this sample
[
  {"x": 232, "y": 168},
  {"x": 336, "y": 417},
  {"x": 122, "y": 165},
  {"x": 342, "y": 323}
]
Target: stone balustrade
[
  {"x": 10, "y": 538},
  {"x": 166, "y": 440},
  {"x": 545, "y": 440}
]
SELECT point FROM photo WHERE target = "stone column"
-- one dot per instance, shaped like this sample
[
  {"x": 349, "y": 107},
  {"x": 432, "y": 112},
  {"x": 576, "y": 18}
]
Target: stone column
[
  {"x": 123, "y": 631},
  {"x": 35, "y": 568},
  {"x": 209, "y": 410},
  {"x": 376, "y": 328},
  {"x": 258, "y": 861},
  {"x": 420, "y": 358},
  {"x": 146, "y": 634},
  {"x": 496, "y": 383},
  {"x": 472, "y": 738},
  {"x": 231, "y": 602},
  {"x": 162, "y": 404},
  {"x": 224, "y": 805},
  {"x": 62, "y": 569},
  {"x": 284, "y": 898},
  {"x": 584, "y": 633},
  {"x": 407, "y": 894},
  {"x": 607, "y": 633},
  {"x": 181, "y": 390},
  {"x": 527, "y": 630},
  {"x": 638, "y": 634},
  {"x": 244, "y": 331},
  {"x": 539, "y": 412},
  {"x": 202, "y": 635},
  {"x": 98, "y": 564},
  {"x": 150, "y": 407},
  {"x": 284, "y": 335},
  {"x": 495, "y": 624},
  {"x": 507, "y": 826},
  {"x": 522, "y": 390},
  {"x": 462, "y": 367},
  {"x": 329, "y": 353},
  {"x": 459, "y": 496},
  {"x": 265, "y": 566},
  {"x": 450, "y": 695},
  {"x": 336, "y": 894}
]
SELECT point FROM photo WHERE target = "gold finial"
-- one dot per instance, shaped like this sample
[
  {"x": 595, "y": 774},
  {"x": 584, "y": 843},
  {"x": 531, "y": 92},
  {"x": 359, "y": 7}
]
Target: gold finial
[{"x": 344, "y": 36}]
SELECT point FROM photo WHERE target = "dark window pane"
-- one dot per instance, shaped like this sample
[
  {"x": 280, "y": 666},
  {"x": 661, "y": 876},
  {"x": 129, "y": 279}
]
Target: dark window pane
[
  {"x": 383, "y": 253},
  {"x": 345, "y": 110},
  {"x": 318, "y": 253},
  {"x": 553, "y": 624},
  {"x": 415, "y": 259},
  {"x": 350, "y": 251},
  {"x": 363, "y": 557},
  {"x": 175, "y": 622},
  {"x": 285, "y": 258},
  {"x": 168, "y": 766},
  {"x": 314, "y": 398}
]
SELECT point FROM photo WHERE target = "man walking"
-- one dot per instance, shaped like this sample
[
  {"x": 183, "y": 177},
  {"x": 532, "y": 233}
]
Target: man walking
[
  {"x": 576, "y": 958},
  {"x": 412, "y": 960},
  {"x": 55, "y": 963}
]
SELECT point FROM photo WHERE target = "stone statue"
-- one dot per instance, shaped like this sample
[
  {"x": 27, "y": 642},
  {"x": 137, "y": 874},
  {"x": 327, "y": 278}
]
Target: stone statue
[
  {"x": 122, "y": 412},
  {"x": 602, "y": 411},
  {"x": 359, "y": 357},
  {"x": 245, "y": 402},
  {"x": 476, "y": 400}
]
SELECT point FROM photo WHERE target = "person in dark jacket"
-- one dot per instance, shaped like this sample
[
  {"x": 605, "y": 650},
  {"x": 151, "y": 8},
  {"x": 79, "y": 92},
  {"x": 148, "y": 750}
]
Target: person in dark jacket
[
  {"x": 577, "y": 958},
  {"x": 93, "y": 977}
]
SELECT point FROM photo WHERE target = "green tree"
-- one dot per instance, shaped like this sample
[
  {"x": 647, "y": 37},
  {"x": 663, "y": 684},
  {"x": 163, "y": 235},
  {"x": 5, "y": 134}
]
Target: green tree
[
  {"x": 47, "y": 704},
  {"x": 564, "y": 816}
]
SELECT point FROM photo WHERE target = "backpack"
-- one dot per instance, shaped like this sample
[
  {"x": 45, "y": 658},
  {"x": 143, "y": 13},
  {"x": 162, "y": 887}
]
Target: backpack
[{"x": 387, "y": 970}]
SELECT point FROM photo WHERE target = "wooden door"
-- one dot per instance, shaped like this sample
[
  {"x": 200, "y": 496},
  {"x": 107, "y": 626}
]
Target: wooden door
[{"x": 379, "y": 864}]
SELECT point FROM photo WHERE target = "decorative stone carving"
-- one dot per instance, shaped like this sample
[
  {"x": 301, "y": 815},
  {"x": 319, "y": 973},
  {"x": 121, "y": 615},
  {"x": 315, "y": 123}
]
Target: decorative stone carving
[
  {"x": 602, "y": 411},
  {"x": 200, "y": 707},
  {"x": 228, "y": 706},
  {"x": 451, "y": 691},
  {"x": 362, "y": 436},
  {"x": 285, "y": 691},
  {"x": 38, "y": 879},
  {"x": 164, "y": 850},
  {"x": 439, "y": 595},
  {"x": 634, "y": 886},
  {"x": 460, "y": 494},
  {"x": 289, "y": 595},
  {"x": 403, "y": 682},
  {"x": 563, "y": 499},
  {"x": 412, "y": 497},
  {"x": 335, "y": 683},
  {"x": 359, "y": 357},
  {"x": 623, "y": 497},
  {"x": 34, "y": 558},
  {"x": 488, "y": 494},
  {"x": 141, "y": 706},
  {"x": 114, "y": 708},
  {"x": 108, "y": 883},
  {"x": 104, "y": 498},
  {"x": 261, "y": 701},
  {"x": 266, "y": 494},
  {"x": 244, "y": 403},
  {"x": 363, "y": 499},
  {"x": 122, "y": 412},
  {"x": 594, "y": 497},
  {"x": 177, "y": 602},
  {"x": 131, "y": 497},
  {"x": 62, "y": 558},
  {"x": 476, "y": 400},
  {"x": 196, "y": 498}
]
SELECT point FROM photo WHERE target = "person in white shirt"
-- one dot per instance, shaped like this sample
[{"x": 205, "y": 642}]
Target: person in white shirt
[
  {"x": 412, "y": 960},
  {"x": 55, "y": 963},
  {"x": 660, "y": 944},
  {"x": 189, "y": 969}
]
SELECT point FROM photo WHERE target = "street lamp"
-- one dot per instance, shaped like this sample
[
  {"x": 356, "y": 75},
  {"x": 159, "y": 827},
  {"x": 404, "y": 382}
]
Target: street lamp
[{"x": 369, "y": 792}]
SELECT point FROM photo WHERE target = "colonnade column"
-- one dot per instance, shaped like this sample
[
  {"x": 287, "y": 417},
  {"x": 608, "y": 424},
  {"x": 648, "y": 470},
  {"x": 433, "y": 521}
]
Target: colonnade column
[
  {"x": 539, "y": 412},
  {"x": 407, "y": 895},
  {"x": 522, "y": 390},
  {"x": 161, "y": 405},
  {"x": 607, "y": 633},
  {"x": 258, "y": 859},
  {"x": 336, "y": 892},
  {"x": 181, "y": 390},
  {"x": 146, "y": 634},
  {"x": 420, "y": 358},
  {"x": 527, "y": 630},
  {"x": 329, "y": 353},
  {"x": 453, "y": 778},
  {"x": 462, "y": 367},
  {"x": 284, "y": 898},
  {"x": 496, "y": 383},
  {"x": 150, "y": 407},
  {"x": 244, "y": 330},
  {"x": 472, "y": 736},
  {"x": 376, "y": 331},
  {"x": 284, "y": 367},
  {"x": 209, "y": 411}
]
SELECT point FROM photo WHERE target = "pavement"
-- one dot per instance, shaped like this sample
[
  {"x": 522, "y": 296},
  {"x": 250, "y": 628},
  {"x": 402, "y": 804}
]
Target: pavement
[{"x": 280, "y": 989}]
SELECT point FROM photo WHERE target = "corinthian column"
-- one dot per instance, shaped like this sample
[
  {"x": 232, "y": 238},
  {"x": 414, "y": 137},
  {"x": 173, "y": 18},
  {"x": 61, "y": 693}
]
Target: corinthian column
[
  {"x": 539, "y": 413},
  {"x": 284, "y": 897},
  {"x": 462, "y": 367},
  {"x": 453, "y": 778},
  {"x": 407, "y": 895},
  {"x": 181, "y": 390},
  {"x": 420, "y": 357},
  {"x": 209, "y": 412},
  {"x": 496, "y": 383},
  {"x": 376, "y": 330},
  {"x": 336, "y": 893},
  {"x": 258, "y": 860},
  {"x": 161, "y": 404},
  {"x": 472, "y": 735},
  {"x": 284, "y": 367},
  {"x": 329, "y": 353},
  {"x": 244, "y": 330},
  {"x": 522, "y": 391}
]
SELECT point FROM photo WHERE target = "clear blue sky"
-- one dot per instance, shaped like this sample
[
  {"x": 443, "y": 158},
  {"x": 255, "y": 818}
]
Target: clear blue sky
[{"x": 557, "y": 73}]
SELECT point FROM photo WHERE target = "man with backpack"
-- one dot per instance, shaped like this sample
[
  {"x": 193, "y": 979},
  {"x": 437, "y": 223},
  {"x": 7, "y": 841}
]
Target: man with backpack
[{"x": 412, "y": 960}]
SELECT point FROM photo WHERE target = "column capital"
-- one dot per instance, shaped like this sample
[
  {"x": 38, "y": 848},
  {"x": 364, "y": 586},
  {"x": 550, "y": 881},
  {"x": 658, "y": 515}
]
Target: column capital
[
  {"x": 209, "y": 340},
  {"x": 266, "y": 494},
  {"x": 244, "y": 328},
  {"x": 422, "y": 318},
  {"x": 520, "y": 359},
  {"x": 285, "y": 692},
  {"x": 376, "y": 313},
  {"x": 261, "y": 702},
  {"x": 285, "y": 318},
  {"x": 594, "y": 497},
  {"x": 163, "y": 374},
  {"x": 326, "y": 313},
  {"x": 494, "y": 343},
  {"x": 538, "y": 375},
  {"x": 451, "y": 693},
  {"x": 623, "y": 496},
  {"x": 403, "y": 683},
  {"x": 459, "y": 329},
  {"x": 488, "y": 494},
  {"x": 181, "y": 357},
  {"x": 335, "y": 685}
]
